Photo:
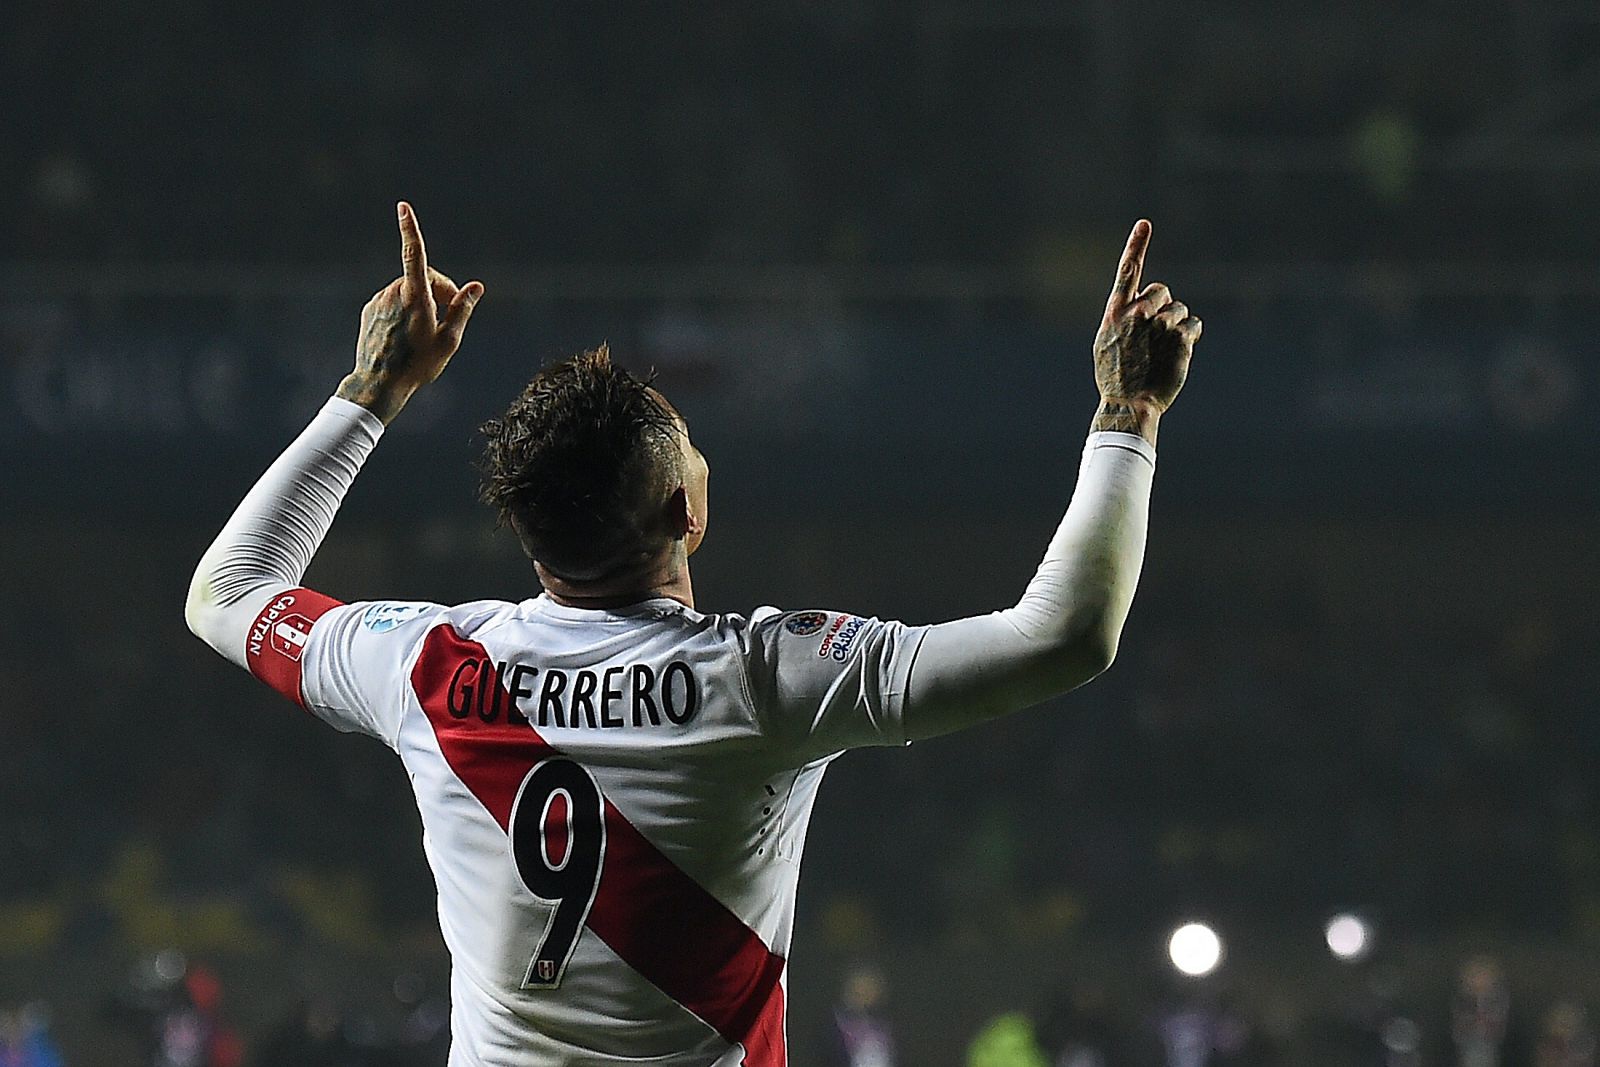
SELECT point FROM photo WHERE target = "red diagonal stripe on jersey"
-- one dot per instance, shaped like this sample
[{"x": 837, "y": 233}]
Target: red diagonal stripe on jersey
[{"x": 661, "y": 922}]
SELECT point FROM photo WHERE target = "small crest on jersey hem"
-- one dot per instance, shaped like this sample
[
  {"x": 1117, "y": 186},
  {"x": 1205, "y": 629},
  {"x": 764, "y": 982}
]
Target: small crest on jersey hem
[
  {"x": 383, "y": 617},
  {"x": 806, "y": 623}
]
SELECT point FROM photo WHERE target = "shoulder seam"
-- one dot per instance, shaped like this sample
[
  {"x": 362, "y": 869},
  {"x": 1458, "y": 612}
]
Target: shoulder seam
[{"x": 746, "y": 686}]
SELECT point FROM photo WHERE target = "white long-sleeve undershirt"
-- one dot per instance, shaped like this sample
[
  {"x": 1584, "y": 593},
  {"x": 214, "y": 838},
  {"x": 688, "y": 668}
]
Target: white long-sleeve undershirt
[
  {"x": 1062, "y": 632},
  {"x": 268, "y": 543}
]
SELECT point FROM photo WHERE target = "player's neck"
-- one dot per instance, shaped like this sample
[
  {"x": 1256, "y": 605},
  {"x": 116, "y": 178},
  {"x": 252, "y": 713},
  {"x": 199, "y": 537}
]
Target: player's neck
[{"x": 668, "y": 579}]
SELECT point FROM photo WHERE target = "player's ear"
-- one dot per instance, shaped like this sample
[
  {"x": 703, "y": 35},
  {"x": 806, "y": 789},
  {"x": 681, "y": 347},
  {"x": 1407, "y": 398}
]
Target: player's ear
[{"x": 681, "y": 518}]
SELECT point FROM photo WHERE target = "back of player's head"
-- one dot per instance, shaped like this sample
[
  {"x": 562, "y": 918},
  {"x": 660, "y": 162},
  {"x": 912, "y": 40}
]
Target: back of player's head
[{"x": 581, "y": 466}]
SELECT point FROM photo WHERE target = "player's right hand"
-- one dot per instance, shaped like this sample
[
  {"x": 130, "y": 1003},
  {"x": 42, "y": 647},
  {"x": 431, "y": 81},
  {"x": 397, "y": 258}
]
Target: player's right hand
[
  {"x": 405, "y": 340},
  {"x": 1146, "y": 339}
]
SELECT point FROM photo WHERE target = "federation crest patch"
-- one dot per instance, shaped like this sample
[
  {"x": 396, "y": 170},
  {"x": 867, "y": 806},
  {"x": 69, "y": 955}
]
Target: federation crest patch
[
  {"x": 289, "y": 636},
  {"x": 381, "y": 618},
  {"x": 277, "y": 640},
  {"x": 806, "y": 623}
]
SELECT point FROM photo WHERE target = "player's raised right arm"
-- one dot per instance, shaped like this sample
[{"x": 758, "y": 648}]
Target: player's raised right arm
[
  {"x": 409, "y": 331},
  {"x": 1065, "y": 628}
]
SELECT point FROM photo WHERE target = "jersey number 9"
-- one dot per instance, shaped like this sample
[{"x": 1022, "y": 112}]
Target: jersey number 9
[{"x": 558, "y": 842}]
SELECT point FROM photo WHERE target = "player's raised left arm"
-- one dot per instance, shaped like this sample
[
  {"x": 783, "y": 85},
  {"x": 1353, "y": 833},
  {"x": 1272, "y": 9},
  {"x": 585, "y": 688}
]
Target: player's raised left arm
[
  {"x": 826, "y": 681},
  {"x": 1065, "y": 628},
  {"x": 409, "y": 331}
]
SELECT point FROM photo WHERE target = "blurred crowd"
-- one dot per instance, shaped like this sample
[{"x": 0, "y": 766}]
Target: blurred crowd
[
  {"x": 171, "y": 1012},
  {"x": 25, "y": 1039},
  {"x": 1196, "y": 1025},
  {"x": 880, "y": 132}
]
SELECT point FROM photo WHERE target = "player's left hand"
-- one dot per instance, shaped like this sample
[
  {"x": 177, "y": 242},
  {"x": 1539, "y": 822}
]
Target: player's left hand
[
  {"x": 405, "y": 341},
  {"x": 1143, "y": 349}
]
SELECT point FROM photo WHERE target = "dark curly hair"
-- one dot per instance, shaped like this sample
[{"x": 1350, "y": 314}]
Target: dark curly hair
[{"x": 581, "y": 464}]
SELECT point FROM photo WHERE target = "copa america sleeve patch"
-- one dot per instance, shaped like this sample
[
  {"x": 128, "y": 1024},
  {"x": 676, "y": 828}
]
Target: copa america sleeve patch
[
  {"x": 278, "y": 638},
  {"x": 806, "y": 623}
]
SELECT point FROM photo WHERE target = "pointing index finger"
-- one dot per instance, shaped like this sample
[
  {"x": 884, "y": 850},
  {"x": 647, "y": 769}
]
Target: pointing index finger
[
  {"x": 1129, "y": 270},
  {"x": 413, "y": 256}
]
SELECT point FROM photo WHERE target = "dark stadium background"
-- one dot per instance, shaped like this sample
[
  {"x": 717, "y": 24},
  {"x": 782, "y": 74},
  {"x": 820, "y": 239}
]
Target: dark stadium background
[{"x": 865, "y": 243}]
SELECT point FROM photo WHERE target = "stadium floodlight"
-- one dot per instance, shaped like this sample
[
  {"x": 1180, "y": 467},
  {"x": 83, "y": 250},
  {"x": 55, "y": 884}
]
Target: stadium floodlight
[
  {"x": 1349, "y": 937},
  {"x": 1195, "y": 949},
  {"x": 168, "y": 966}
]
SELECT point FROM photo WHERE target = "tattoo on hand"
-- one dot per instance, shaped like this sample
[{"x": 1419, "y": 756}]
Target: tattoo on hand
[
  {"x": 409, "y": 329},
  {"x": 1143, "y": 347},
  {"x": 384, "y": 353},
  {"x": 385, "y": 347}
]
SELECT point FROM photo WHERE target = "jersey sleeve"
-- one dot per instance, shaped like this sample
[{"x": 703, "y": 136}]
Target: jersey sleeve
[
  {"x": 347, "y": 664},
  {"x": 826, "y": 681}
]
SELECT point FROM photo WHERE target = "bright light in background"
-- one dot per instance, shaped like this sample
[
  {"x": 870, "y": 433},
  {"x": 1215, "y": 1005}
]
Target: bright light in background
[
  {"x": 1195, "y": 949},
  {"x": 1349, "y": 937}
]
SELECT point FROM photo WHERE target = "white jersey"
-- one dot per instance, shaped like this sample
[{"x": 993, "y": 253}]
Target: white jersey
[{"x": 614, "y": 803}]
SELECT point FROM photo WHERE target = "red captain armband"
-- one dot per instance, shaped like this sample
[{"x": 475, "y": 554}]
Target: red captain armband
[{"x": 277, "y": 639}]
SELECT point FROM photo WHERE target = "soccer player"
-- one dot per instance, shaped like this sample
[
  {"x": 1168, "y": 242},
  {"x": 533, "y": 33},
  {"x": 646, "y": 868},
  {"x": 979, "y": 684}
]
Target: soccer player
[{"x": 614, "y": 785}]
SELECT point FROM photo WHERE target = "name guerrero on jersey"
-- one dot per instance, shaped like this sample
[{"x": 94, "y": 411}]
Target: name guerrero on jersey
[{"x": 614, "y": 802}]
